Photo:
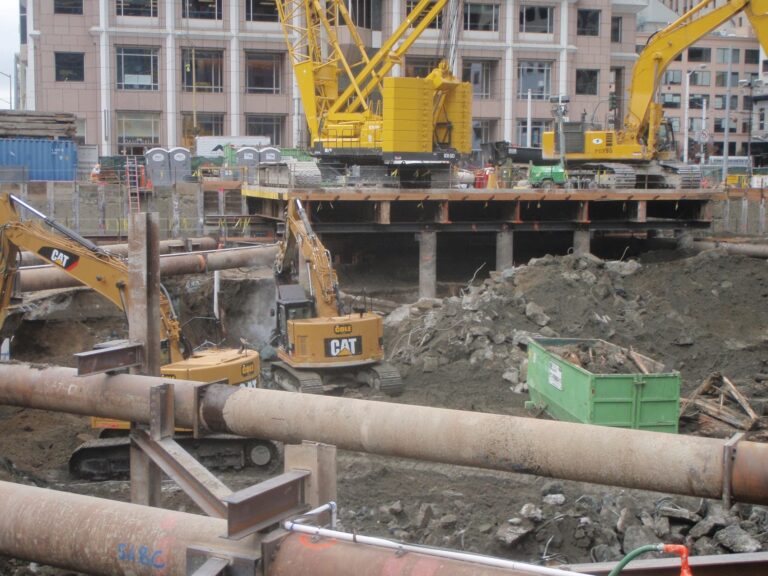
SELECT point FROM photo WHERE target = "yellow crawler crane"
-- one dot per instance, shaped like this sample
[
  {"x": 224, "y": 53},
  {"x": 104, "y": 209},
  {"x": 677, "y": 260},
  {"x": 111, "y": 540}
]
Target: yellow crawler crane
[
  {"x": 642, "y": 153},
  {"x": 108, "y": 275},
  {"x": 417, "y": 127},
  {"x": 320, "y": 346}
]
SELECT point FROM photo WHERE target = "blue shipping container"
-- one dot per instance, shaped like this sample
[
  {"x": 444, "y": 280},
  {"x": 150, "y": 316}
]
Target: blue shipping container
[{"x": 45, "y": 159}]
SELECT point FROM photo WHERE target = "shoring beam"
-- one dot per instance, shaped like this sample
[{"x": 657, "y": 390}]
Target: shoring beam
[
  {"x": 98, "y": 536},
  {"x": 50, "y": 277},
  {"x": 668, "y": 463}
]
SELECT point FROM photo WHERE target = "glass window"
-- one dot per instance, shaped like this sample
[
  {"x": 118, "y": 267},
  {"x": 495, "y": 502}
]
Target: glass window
[
  {"x": 535, "y": 76},
  {"x": 673, "y": 77},
  {"x": 588, "y": 23},
  {"x": 675, "y": 122},
  {"x": 720, "y": 126},
  {"x": 136, "y": 8},
  {"x": 721, "y": 79},
  {"x": 586, "y": 81},
  {"x": 670, "y": 100},
  {"x": 208, "y": 66},
  {"x": 720, "y": 101},
  {"x": 22, "y": 23},
  {"x": 694, "y": 124},
  {"x": 751, "y": 56},
  {"x": 67, "y": 6},
  {"x": 538, "y": 127},
  {"x": 536, "y": 19},
  {"x": 436, "y": 23},
  {"x": 699, "y": 54},
  {"x": 261, "y": 11},
  {"x": 137, "y": 132},
  {"x": 70, "y": 66},
  {"x": 265, "y": 125},
  {"x": 365, "y": 13},
  {"x": 482, "y": 131},
  {"x": 201, "y": 9},
  {"x": 616, "y": 24},
  {"x": 479, "y": 74},
  {"x": 696, "y": 101},
  {"x": 420, "y": 67},
  {"x": 137, "y": 68},
  {"x": 747, "y": 103},
  {"x": 262, "y": 72},
  {"x": 701, "y": 78},
  {"x": 208, "y": 124},
  {"x": 483, "y": 17},
  {"x": 761, "y": 119},
  {"x": 722, "y": 55}
]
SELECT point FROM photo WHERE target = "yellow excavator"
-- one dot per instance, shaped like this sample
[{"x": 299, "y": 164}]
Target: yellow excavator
[
  {"x": 107, "y": 274},
  {"x": 322, "y": 347},
  {"x": 359, "y": 116},
  {"x": 642, "y": 153}
]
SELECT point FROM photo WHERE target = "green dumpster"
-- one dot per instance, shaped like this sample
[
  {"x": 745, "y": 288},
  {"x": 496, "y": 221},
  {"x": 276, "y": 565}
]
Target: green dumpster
[{"x": 631, "y": 399}]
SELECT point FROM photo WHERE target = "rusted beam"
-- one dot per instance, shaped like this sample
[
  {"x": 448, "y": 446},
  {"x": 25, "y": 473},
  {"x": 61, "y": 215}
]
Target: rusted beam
[
  {"x": 613, "y": 456},
  {"x": 50, "y": 277}
]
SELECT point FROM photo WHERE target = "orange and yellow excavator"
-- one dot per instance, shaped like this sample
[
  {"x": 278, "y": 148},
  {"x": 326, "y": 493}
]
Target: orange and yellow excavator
[
  {"x": 108, "y": 275},
  {"x": 321, "y": 346}
]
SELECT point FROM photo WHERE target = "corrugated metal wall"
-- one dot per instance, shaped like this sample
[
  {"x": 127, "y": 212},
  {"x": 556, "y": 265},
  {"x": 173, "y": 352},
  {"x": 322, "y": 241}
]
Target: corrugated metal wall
[{"x": 44, "y": 159}]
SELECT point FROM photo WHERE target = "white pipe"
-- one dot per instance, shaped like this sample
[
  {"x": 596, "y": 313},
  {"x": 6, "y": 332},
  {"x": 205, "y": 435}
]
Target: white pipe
[
  {"x": 216, "y": 287},
  {"x": 449, "y": 554},
  {"x": 529, "y": 120}
]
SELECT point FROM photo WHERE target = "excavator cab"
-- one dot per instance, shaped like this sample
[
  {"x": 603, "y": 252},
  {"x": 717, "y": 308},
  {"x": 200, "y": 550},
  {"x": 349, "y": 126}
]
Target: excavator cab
[
  {"x": 665, "y": 138},
  {"x": 292, "y": 304}
]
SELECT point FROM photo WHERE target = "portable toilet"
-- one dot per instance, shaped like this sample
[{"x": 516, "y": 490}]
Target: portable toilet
[
  {"x": 158, "y": 167},
  {"x": 269, "y": 155},
  {"x": 248, "y": 161},
  {"x": 181, "y": 164}
]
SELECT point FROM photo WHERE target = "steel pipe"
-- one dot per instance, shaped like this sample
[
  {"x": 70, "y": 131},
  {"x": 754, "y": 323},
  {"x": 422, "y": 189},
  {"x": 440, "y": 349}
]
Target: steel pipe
[
  {"x": 203, "y": 243},
  {"x": 613, "y": 456},
  {"x": 754, "y": 250},
  {"x": 51, "y": 277}
]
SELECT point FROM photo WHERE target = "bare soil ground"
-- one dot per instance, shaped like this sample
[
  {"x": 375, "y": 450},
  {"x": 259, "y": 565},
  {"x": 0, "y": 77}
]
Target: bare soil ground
[{"x": 694, "y": 313}]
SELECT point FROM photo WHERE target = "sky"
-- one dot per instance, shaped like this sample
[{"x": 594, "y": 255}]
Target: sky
[{"x": 9, "y": 45}]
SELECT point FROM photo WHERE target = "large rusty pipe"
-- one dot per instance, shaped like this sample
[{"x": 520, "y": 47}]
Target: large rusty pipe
[
  {"x": 98, "y": 536},
  {"x": 202, "y": 243},
  {"x": 50, "y": 277},
  {"x": 613, "y": 456}
]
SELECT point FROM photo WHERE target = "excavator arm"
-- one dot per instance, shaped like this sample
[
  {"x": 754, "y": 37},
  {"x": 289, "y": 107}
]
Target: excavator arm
[
  {"x": 78, "y": 257},
  {"x": 643, "y": 114},
  {"x": 300, "y": 239}
]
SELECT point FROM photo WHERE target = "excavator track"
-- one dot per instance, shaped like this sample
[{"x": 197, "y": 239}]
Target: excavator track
[
  {"x": 109, "y": 458},
  {"x": 288, "y": 378},
  {"x": 387, "y": 379}
]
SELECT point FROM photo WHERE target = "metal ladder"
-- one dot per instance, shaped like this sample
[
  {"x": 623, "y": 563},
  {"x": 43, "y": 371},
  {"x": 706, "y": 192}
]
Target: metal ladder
[{"x": 133, "y": 184}]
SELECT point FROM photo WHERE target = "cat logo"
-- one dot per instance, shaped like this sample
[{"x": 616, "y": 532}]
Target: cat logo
[
  {"x": 342, "y": 329},
  {"x": 352, "y": 346},
  {"x": 247, "y": 368},
  {"x": 66, "y": 260}
]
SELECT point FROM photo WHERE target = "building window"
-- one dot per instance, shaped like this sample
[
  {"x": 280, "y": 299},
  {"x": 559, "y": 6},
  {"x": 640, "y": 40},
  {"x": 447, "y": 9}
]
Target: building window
[
  {"x": 675, "y": 122},
  {"x": 588, "y": 23},
  {"x": 699, "y": 54},
  {"x": 436, "y": 23},
  {"x": 670, "y": 100},
  {"x": 420, "y": 67},
  {"x": 482, "y": 131},
  {"x": 146, "y": 8},
  {"x": 365, "y": 14},
  {"x": 747, "y": 103},
  {"x": 720, "y": 126},
  {"x": 536, "y": 19},
  {"x": 208, "y": 66},
  {"x": 586, "y": 82},
  {"x": 262, "y": 72},
  {"x": 137, "y": 132},
  {"x": 538, "y": 127},
  {"x": 765, "y": 66},
  {"x": 696, "y": 101},
  {"x": 751, "y": 56},
  {"x": 616, "y": 24},
  {"x": 208, "y": 124},
  {"x": 137, "y": 68},
  {"x": 201, "y": 9},
  {"x": 481, "y": 17},
  {"x": 721, "y": 79},
  {"x": 761, "y": 119},
  {"x": 269, "y": 126},
  {"x": 70, "y": 66},
  {"x": 534, "y": 76},
  {"x": 674, "y": 77},
  {"x": 480, "y": 75},
  {"x": 67, "y": 6},
  {"x": 722, "y": 55},
  {"x": 720, "y": 101},
  {"x": 701, "y": 78},
  {"x": 695, "y": 124},
  {"x": 22, "y": 23},
  {"x": 261, "y": 11}
]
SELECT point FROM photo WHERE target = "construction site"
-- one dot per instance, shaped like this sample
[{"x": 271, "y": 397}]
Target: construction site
[{"x": 371, "y": 356}]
